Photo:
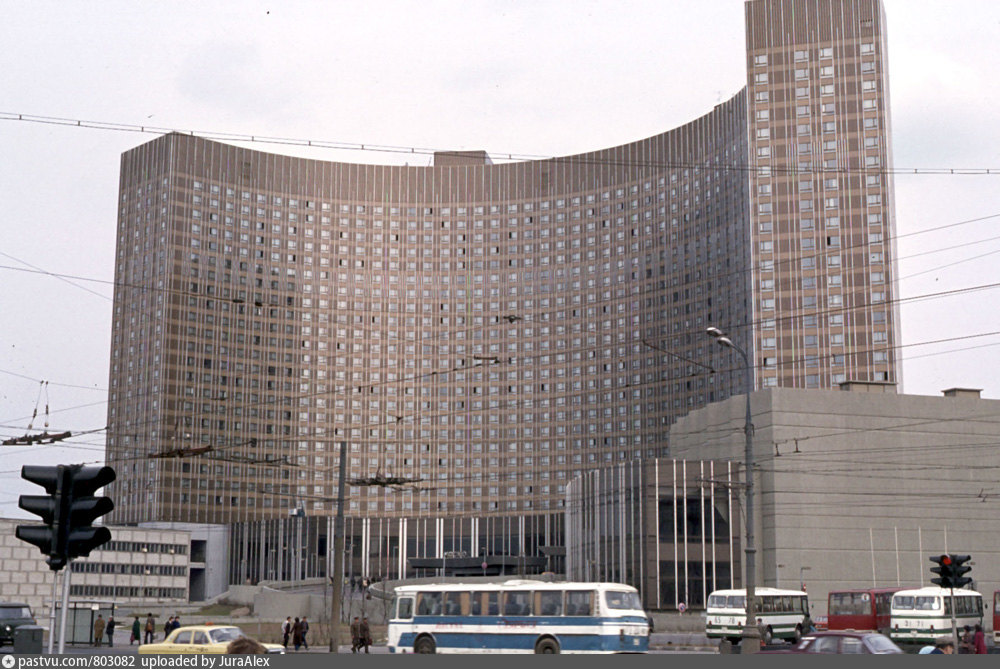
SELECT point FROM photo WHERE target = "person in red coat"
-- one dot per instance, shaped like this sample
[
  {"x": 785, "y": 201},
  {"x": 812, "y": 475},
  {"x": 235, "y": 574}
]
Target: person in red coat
[{"x": 980, "y": 640}]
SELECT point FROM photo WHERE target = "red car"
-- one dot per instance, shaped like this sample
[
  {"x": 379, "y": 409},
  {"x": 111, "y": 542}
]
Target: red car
[{"x": 863, "y": 643}]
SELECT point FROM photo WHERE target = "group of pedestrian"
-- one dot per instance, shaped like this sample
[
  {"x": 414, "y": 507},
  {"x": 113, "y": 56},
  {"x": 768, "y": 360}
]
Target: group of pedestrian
[
  {"x": 173, "y": 622},
  {"x": 297, "y": 631},
  {"x": 973, "y": 641},
  {"x": 361, "y": 634},
  {"x": 101, "y": 628}
]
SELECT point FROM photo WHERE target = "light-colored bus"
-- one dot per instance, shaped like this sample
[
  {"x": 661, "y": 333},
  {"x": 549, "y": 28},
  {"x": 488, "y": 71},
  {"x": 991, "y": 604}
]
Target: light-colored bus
[
  {"x": 782, "y": 614},
  {"x": 518, "y": 616},
  {"x": 924, "y": 615}
]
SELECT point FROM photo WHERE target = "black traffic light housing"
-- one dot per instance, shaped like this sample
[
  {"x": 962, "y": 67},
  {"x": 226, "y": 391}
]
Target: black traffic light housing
[
  {"x": 959, "y": 569},
  {"x": 49, "y": 508},
  {"x": 67, "y": 511},
  {"x": 943, "y": 570},
  {"x": 951, "y": 570}
]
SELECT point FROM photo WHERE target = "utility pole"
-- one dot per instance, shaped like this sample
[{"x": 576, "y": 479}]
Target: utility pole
[{"x": 338, "y": 552}]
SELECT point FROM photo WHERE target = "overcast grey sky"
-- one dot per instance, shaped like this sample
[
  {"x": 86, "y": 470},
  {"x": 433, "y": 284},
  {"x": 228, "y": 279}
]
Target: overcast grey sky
[{"x": 541, "y": 78}]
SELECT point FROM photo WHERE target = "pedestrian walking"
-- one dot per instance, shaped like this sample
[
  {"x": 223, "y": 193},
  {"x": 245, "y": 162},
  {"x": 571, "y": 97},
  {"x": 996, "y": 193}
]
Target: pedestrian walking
[
  {"x": 305, "y": 631},
  {"x": 366, "y": 633},
  {"x": 297, "y": 634},
  {"x": 98, "y": 630},
  {"x": 110, "y": 631},
  {"x": 286, "y": 631},
  {"x": 136, "y": 631},
  {"x": 979, "y": 639},
  {"x": 355, "y": 635},
  {"x": 967, "y": 645},
  {"x": 168, "y": 627},
  {"x": 150, "y": 627}
]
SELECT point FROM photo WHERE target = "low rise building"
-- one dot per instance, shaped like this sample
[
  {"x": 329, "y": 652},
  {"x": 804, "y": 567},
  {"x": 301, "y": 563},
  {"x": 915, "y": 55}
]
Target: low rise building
[
  {"x": 138, "y": 566},
  {"x": 854, "y": 489}
]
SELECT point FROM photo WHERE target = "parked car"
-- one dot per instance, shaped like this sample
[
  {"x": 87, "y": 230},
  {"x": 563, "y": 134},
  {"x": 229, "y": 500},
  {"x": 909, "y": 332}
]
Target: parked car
[
  {"x": 12, "y": 616},
  {"x": 864, "y": 643},
  {"x": 200, "y": 639}
]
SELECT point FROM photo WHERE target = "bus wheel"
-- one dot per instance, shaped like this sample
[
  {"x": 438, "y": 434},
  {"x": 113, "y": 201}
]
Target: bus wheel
[
  {"x": 798, "y": 634},
  {"x": 425, "y": 646},
  {"x": 768, "y": 637},
  {"x": 547, "y": 647}
]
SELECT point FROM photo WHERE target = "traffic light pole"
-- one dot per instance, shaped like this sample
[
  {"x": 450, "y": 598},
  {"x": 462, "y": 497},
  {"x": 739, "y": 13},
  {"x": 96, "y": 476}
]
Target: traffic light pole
[
  {"x": 954, "y": 624},
  {"x": 52, "y": 611},
  {"x": 65, "y": 606}
]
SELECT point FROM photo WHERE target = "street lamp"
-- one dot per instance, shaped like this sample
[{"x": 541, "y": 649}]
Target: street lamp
[
  {"x": 802, "y": 581},
  {"x": 751, "y": 634},
  {"x": 338, "y": 550}
]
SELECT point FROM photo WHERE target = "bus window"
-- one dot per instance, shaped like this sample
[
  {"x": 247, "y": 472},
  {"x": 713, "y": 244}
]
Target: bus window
[
  {"x": 902, "y": 602},
  {"x": 429, "y": 604},
  {"x": 549, "y": 602},
  {"x": 622, "y": 600},
  {"x": 492, "y": 604},
  {"x": 804, "y": 604},
  {"x": 719, "y": 602},
  {"x": 517, "y": 603},
  {"x": 404, "y": 610},
  {"x": 927, "y": 603},
  {"x": 882, "y": 601},
  {"x": 736, "y": 602},
  {"x": 453, "y": 603},
  {"x": 579, "y": 603}
]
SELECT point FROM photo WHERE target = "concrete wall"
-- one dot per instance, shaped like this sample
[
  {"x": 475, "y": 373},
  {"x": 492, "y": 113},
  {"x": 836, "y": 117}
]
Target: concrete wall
[
  {"x": 209, "y": 557},
  {"x": 277, "y": 605},
  {"x": 859, "y": 489},
  {"x": 24, "y": 576},
  {"x": 143, "y": 559}
]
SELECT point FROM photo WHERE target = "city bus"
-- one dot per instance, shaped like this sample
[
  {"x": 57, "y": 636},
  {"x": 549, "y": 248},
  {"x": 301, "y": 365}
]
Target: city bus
[
  {"x": 782, "y": 613},
  {"x": 518, "y": 616},
  {"x": 924, "y": 615},
  {"x": 863, "y": 610}
]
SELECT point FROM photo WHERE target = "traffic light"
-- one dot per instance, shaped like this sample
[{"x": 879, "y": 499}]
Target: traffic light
[
  {"x": 68, "y": 511},
  {"x": 959, "y": 569},
  {"x": 944, "y": 571},
  {"x": 49, "y": 507},
  {"x": 84, "y": 509}
]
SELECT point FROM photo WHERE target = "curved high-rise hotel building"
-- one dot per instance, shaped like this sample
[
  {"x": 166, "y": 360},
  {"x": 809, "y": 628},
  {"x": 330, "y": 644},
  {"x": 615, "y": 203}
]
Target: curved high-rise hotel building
[{"x": 494, "y": 329}]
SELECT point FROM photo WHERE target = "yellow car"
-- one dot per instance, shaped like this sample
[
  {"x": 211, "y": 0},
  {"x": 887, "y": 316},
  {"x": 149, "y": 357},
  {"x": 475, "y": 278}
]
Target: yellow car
[{"x": 200, "y": 639}]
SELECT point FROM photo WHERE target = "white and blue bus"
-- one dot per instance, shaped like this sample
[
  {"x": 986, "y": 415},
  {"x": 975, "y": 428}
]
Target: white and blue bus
[{"x": 518, "y": 616}]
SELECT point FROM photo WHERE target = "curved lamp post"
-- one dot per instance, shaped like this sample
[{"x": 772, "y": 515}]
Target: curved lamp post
[{"x": 751, "y": 634}]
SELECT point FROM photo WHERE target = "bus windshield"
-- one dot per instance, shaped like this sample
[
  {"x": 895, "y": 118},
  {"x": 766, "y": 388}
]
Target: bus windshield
[
  {"x": 850, "y": 604},
  {"x": 622, "y": 600},
  {"x": 724, "y": 602},
  {"x": 902, "y": 602}
]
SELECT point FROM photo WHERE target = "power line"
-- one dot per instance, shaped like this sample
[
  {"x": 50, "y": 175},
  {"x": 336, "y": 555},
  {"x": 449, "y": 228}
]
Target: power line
[{"x": 585, "y": 158}]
